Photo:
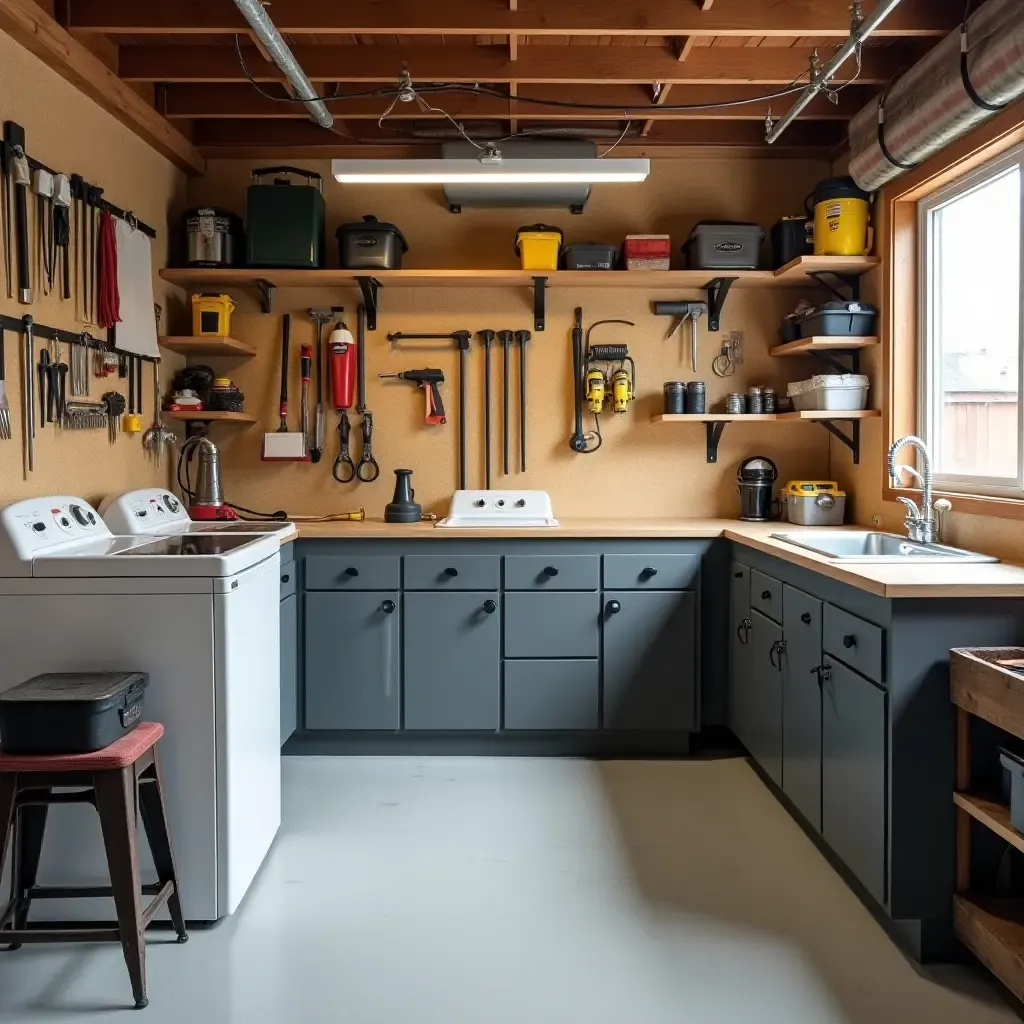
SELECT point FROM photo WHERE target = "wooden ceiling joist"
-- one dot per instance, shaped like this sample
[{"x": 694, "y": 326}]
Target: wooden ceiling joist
[
  {"x": 626, "y": 65},
  {"x": 821, "y": 18},
  {"x": 243, "y": 101}
]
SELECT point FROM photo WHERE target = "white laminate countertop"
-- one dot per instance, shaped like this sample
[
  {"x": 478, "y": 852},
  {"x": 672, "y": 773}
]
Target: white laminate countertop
[{"x": 886, "y": 580}]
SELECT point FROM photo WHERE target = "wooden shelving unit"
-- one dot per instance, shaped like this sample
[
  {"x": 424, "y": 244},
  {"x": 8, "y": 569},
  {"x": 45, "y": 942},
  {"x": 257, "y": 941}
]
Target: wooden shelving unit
[
  {"x": 811, "y": 346},
  {"x": 990, "y": 926},
  {"x": 715, "y": 424},
  {"x": 211, "y": 416},
  {"x": 847, "y": 266},
  {"x": 188, "y": 345}
]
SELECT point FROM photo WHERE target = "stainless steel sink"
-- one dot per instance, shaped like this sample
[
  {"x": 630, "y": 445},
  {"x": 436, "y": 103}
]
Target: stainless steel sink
[{"x": 868, "y": 546}]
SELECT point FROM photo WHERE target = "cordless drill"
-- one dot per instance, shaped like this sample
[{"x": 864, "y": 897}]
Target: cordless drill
[{"x": 429, "y": 380}]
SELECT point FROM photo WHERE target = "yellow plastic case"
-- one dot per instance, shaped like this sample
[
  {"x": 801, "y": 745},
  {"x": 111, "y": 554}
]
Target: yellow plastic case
[
  {"x": 538, "y": 246},
  {"x": 211, "y": 315}
]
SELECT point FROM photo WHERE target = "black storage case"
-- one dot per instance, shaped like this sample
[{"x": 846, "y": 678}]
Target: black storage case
[
  {"x": 70, "y": 712},
  {"x": 370, "y": 245},
  {"x": 590, "y": 256},
  {"x": 839, "y": 320},
  {"x": 792, "y": 237},
  {"x": 284, "y": 223}
]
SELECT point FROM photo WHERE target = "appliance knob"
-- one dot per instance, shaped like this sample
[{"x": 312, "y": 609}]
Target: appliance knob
[
  {"x": 479, "y": 503},
  {"x": 613, "y": 607},
  {"x": 39, "y": 527},
  {"x": 387, "y": 607},
  {"x": 550, "y": 570},
  {"x": 64, "y": 521},
  {"x": 521, "y": 503},
  {"x": 80, "y": 517},
  {"x": 451, "y": 572},
  {"x": 490, "y": 607},
  {"x": 92, "y": 519},
  {"x": 172, "y": 503}
]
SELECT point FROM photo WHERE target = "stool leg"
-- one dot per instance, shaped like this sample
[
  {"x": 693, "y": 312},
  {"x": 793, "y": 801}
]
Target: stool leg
[
  {"x": 154, "y": 818},
  {"x": 8, "y": 787},
  {"x": 31, "y": 827},
  {"x": 115, "y": 801}
]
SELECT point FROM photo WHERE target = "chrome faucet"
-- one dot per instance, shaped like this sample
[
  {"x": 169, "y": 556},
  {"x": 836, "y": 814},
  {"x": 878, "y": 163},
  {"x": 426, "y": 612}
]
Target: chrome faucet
[{"x": 923, "y": 525}]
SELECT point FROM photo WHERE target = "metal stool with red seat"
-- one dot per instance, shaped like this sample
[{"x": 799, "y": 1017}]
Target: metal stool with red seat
[{"x": 119, "y": 781}]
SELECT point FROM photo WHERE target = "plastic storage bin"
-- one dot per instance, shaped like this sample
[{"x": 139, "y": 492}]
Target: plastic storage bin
[
  {"x": 71, "y": 713},
  {"x": 590, "y": 256},
  {"x": 1014, "y": 765},
  {"x": 370, "y": 245},
  {"x": 647, "y": 252},
  {"x": 538, "y": 246},
  {"x": 211, "y": 315},
  {"x": 813, "y": 503},
  {"x": 839, "y": 320},
  {"x": 721, "y": 245},
  {"x": 830, "y": 392}
]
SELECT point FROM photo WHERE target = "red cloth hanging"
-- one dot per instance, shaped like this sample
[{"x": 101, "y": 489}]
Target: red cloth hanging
[{"x": 108, "y": 305}]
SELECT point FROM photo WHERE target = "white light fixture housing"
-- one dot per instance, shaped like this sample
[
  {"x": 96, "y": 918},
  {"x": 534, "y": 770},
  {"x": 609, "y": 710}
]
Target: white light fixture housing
[{"x": 490, "y": 169}]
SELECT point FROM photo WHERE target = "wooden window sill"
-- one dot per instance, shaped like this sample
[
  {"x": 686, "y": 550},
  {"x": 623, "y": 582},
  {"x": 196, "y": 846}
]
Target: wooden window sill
[{"x": 969, "y": 504}]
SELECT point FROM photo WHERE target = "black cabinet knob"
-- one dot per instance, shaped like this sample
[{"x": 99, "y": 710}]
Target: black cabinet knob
[
  {"x": 806, "y": 618},
  {"x": 613, "y": 607},
  {"x": 387, "y": 607},
  {"x": 550, "y": 570},
  {"x": 648, "y": 572},
  {"x": 849, "y": 641},
  {"x": 490, "y": 607},
  {"x": 285, "y": 578},
  {"x": 766, "y": 595},
  {"x": 451, "y": 572},
  {"x": 737, "y": 575},
  {"x": 352, "y": 571}
]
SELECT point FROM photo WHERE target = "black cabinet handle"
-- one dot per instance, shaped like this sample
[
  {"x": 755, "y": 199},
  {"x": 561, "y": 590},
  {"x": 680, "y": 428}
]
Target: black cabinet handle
[
  {"x": 737, "y": 575},
  {"x": 766, "y": 595},
  {"x": 849, "y": 641},
  {"x": 387, "y": 607},
  {"x": 649, "y": 572},
  {"x": 451, "y": 572},
  {"x": 806, "y": 618},
  {"x": 777, "y": 648},
  {"x": 550, "y": 570},
  {"x": 352, "y": 571},
  {"x": 285, "y": 578},
  {"x": 490, "y": 607},
  {"x": 743, "y": 631},
  {"x": 613, "y": 607},
  {"x": 823, "y": 672}
]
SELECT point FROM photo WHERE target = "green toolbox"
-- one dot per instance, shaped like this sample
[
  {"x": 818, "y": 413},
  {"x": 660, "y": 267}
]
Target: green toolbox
[{"x": 284, "y": 221}]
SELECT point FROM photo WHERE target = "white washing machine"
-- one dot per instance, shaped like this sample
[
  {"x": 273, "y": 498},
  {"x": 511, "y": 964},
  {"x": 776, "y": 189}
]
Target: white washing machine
[
  {"x": 200, "y": 614},
  {"x": 156, "y": 510}
]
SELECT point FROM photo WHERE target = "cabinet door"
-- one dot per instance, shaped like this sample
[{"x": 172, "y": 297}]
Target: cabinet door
[
  {"x": 649, "y": 660},
  {"x": 352, "y": 660},
  {"x": 853, "y": 773},
  {"x": 452, "y": 660},
  {"x": 289, "y": 666},
  {"x": 740, "y": 673},
  {"x": 801, "y": 703},
  {"x": 762, "y": 711}
]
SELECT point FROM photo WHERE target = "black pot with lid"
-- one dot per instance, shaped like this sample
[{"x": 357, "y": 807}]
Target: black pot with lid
[
  {"x": 755, "y": 481},
  {"x": 371, "y": 244}
]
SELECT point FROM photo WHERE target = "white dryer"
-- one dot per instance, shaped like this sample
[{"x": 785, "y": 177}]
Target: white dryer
[{"x": 200, "y": 614}]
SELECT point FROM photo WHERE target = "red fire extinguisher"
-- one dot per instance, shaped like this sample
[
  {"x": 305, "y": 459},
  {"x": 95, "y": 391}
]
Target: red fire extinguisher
[{"x": 342, "y": 349}]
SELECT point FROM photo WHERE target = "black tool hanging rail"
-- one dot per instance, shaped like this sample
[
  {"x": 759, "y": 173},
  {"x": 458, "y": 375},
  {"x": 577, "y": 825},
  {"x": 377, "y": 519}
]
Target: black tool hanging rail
[{"x": 17, "y": 325}]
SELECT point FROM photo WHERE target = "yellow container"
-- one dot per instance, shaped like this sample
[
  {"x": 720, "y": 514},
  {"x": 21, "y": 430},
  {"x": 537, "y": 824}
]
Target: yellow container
[
  {"x": 211, "y": 315},
  {"x": 538, "y": 246},
  {"x": 841, "y": 219}
]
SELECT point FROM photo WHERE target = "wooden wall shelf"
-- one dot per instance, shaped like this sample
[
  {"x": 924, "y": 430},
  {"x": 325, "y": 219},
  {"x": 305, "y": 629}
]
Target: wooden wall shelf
[
  {"x": 188, "y": 345},
  {"x": 810, "y": 346},
  {"x": 210, "y": 416}
]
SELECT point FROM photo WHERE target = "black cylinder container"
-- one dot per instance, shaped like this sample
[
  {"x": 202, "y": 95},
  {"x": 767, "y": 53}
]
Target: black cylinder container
[{"x": 755, "y": 481}]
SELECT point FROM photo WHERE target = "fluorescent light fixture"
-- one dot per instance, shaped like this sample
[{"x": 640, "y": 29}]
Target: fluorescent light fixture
[{"x": 483, "y": 172}]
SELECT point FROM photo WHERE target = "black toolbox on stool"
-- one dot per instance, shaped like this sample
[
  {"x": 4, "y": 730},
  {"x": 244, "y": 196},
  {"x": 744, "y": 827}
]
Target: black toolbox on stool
[
  {"x": 70, "y": 712},
  {"x": 284, "y": 222}
]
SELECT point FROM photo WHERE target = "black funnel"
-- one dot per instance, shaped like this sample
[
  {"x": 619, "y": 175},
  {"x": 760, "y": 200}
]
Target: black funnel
[{"x": 402, "y": 508}]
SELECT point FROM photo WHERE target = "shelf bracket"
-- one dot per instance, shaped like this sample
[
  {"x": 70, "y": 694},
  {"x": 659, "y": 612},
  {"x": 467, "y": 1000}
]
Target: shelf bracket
[
  {"x": 369, "y": 287},
  {"x": 539, "y": 302},
  {"x": 718, "y": 292},
  {"x": 836, "y": 364},
  {"x": 714, "y": 431},
  {"x": 266, "y": 289},
  {"x": 853, "y": 443},
  {"x": 851, "y": 281}
]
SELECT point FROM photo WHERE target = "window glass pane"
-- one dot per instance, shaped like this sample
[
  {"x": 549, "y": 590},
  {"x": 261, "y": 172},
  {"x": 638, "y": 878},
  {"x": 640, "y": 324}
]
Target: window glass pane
[{"x": 976, "y": 331}]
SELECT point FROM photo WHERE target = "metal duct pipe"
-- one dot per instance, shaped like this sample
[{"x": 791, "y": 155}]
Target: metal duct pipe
[
  {"x": 857, "y": 36},
  {"x": 254, "y": 13}
]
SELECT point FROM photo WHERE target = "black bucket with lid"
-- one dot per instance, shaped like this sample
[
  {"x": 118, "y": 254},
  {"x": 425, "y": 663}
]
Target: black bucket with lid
[{"x": 755, "y": 481}]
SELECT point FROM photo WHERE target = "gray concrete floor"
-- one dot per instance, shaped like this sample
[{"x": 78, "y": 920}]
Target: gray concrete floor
[{"x": 451, "y": 890}]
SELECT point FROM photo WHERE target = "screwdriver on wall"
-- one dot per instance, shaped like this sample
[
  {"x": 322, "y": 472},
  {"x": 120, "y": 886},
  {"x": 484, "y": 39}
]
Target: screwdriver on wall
[
  {"x": 522, "y": 337},
  {"x": 505, "y": 337}
]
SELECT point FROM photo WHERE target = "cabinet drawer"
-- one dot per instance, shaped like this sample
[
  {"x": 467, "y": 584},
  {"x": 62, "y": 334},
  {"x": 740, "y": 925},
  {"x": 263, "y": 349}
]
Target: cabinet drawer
[
  {"x": 551, "y": 625},
  {"x": 852, "y": 640},
  {"x": 451, "y": 572},
  {"x": 288, "y": 580},
  {"x": 353, "y": 572},
  {"x": 551, "y": 694},
  {"x": 650, "y": 572},
  {"x": 766, "y": 595},
  {"x": 552, "y": 572}
]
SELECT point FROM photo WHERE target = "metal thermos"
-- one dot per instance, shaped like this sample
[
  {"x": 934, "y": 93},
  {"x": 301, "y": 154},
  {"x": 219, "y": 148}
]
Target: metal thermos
[
  {"x": 208, "y": 490},
  {"x": 755, "y": 481}
]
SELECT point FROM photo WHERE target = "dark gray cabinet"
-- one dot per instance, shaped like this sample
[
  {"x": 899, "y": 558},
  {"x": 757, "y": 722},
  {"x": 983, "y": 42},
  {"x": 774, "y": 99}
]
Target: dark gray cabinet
[
  {"x": 452, "y": 660},
  {"x": 853, "y": 772},
  {"x": 289, "y": 666},
  {"x": 741, "y": 681},
  {"x": 762, "y": 709},
  {"x": 648, "y": 648},
  {"x": 352, "y": 660},
  {"x": 560, "y": 694},
  {"x": 801, "y": 703}
]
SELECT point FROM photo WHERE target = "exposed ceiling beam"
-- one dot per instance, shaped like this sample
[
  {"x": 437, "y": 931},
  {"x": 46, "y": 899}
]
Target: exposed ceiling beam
[
  {"x": 27, "y": 23},
  {"x": 489, "y": 64},
  {"x": 224, "y": 101},
  {"x": 533, "y": 17}
]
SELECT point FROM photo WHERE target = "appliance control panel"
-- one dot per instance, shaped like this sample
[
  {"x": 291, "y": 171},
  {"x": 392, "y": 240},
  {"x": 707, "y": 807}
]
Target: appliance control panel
[
  {"x": 149, "y": 510},
  {"x": 30, "y": 527},
  {"x": 499, "y": 508}
]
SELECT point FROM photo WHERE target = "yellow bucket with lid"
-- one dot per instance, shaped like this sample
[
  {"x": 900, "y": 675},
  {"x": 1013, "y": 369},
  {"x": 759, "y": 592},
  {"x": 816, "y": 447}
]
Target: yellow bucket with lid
[
  {"x": 841, "y": 214},
  {"x": 538, "y": 246},
  {"x": 211, "y": 315}
]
